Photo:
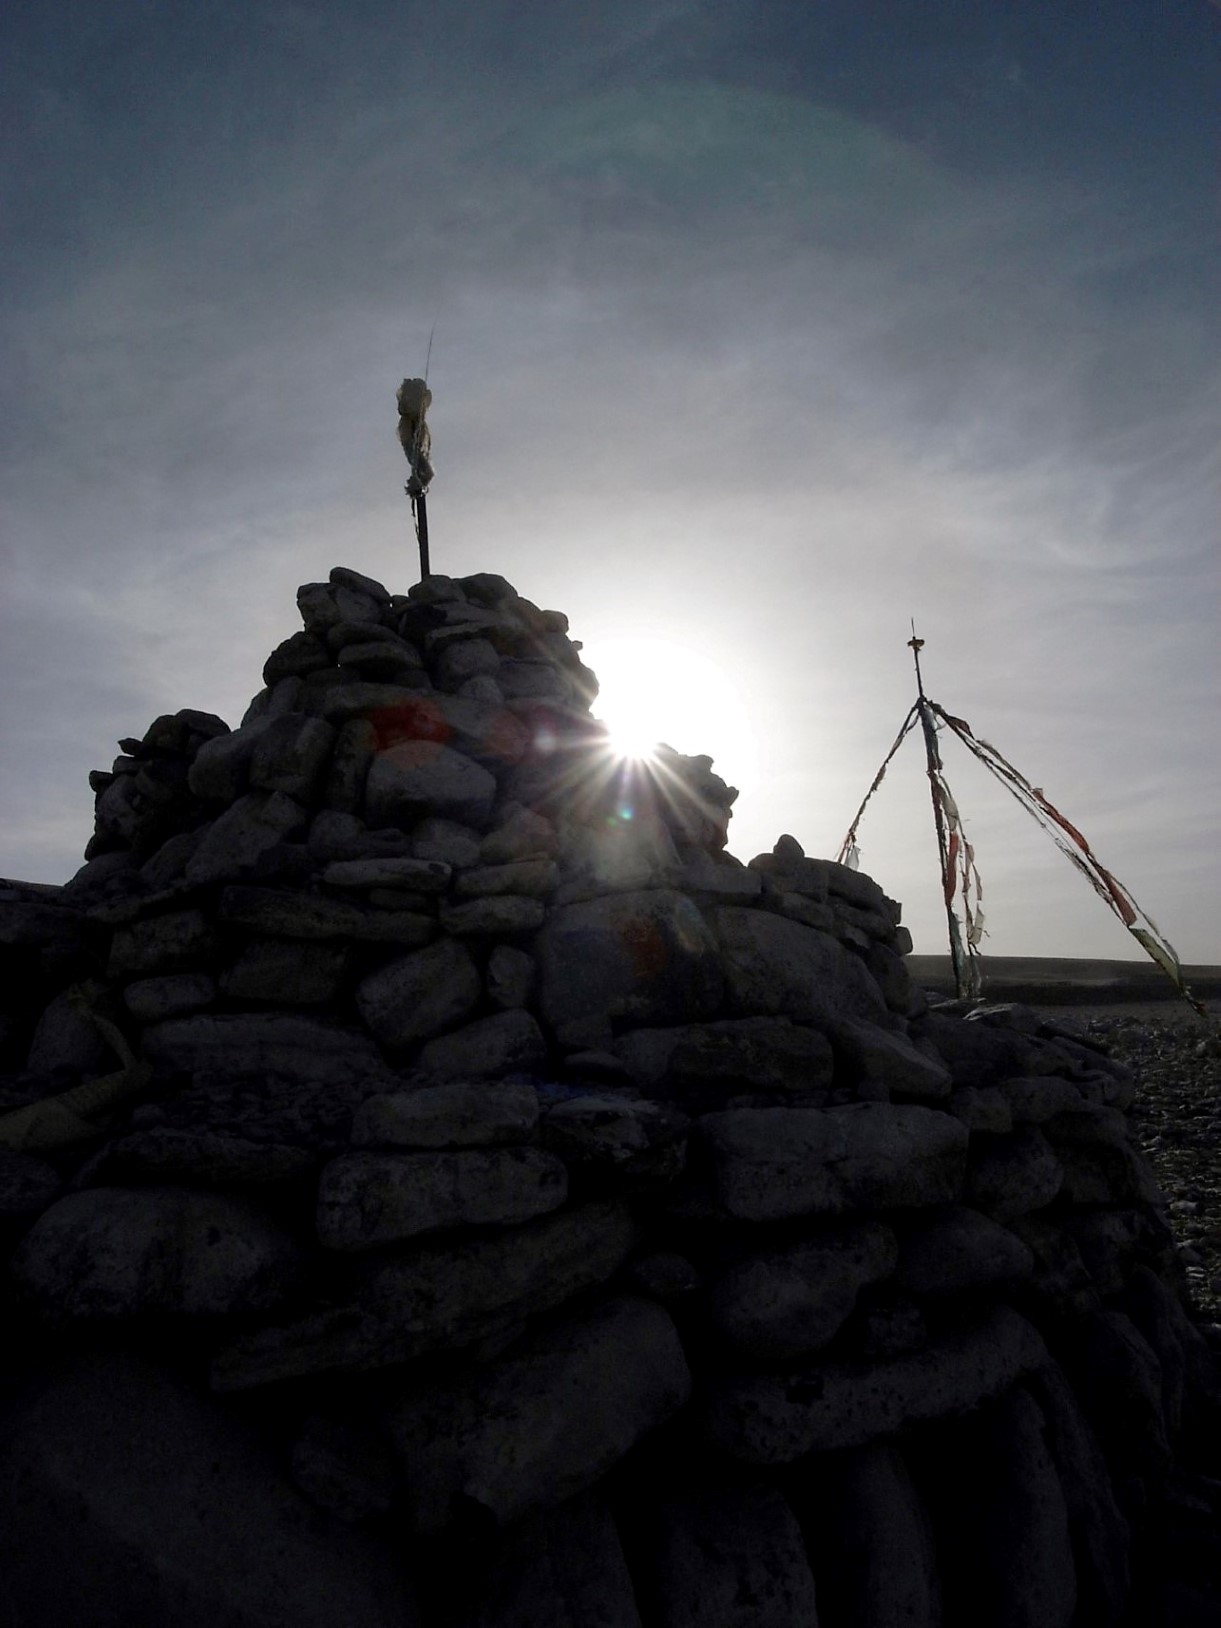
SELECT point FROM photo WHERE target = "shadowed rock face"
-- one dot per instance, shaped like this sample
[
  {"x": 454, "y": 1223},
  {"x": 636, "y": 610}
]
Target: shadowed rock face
[{"x": 499, "y": 1212}]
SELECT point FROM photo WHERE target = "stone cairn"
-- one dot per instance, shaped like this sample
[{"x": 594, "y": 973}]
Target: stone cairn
[{"x": 440, "y": 1185}]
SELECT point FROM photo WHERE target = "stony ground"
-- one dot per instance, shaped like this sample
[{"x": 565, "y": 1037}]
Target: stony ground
[{"x": 1176, "y": 1057}]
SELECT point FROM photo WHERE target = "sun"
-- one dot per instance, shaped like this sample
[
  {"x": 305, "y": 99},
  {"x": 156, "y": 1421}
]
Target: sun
[{"x": 654, "y": 690}]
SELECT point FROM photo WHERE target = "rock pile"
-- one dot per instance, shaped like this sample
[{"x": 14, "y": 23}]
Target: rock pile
[{"x": 441, "y": 1185}]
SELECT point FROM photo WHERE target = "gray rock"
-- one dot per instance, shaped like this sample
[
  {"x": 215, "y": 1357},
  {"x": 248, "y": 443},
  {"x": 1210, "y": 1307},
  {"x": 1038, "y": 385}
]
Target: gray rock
[
  {"x": 1003, "y": 1522},
  {"x": 418, "y": 875},
  {"x": 534, "y": 878},
  {"x": 323, "y": 605},
  {"x": 522, "y": 835},
  {"x": 1034, "y": 1100},
  {"x": 419, "y": 777},
  {"x": 786, "y": 1303},
  {"x": 711, "y": 880},
  {"x": 1099, "y": 1161},
  {"x": 295, "y": 656},
  {"x": 871, "y": 1541},
  {"x": 447, "y": 840},
  {"x": 461, "y": 659},
  {"x": 1060, "y": 1278},
  {"x": 1118, "y": 1381},
  {"x": 342, "y": 576},
  {"x": 169, "y": 864},
  {"x": 282, "y": 914},
  {"x": 557, "y": 1570},
  {"x": 365, "y": 1199},
  {"x": 110, "y": 1253},
  {"x": 545, "y": 1422},
  {"x": 66, "y": 1038},
  {"x": 355, "y": 746},
  {"x": 344, "y": 1468},
  {"x": 796, "y": 907},
  {"x": 978, "y": 1054},
  {"x": 959, "y": 1250},
  {"x": 1012, "y": 1175},
  {"x": 775, "y": 967},
  {"x": 772, "y": 1163},
  {"x": 727, "y": 1557},
  {"x": 334, "y": 836},
  {"x": 883, "y": 1058},
  {"x": 262, "y": 1043},
  {"x": 419, "y": 995},
  {"x": 220, "y": 770},
  {"x": 483, "y": 688},
  {"x": 490, "y": 1048},
  {"x": 290, "y": 755},
  {"x": 160, "y": 944},
  {"x": 702, "y": 1065},
  {"x": 149, "y": 1000},
  {"x": 643, "y": 956},
  {"x": 532, "y": 679},
  {"x": 289, "y": 973},
  {"x": 177, "y": 1513},
  {"x": 478, "y": 918},
  {"x": 438, "y": 1297},
  {"x": 775, "y": 1419},
  {"x": 606, "y": 1135},
  {"x": 383, "y": 661},
  {"x": 981, "y": 1108},
  {"x": 28, "y": 1185},
  {"x": 510, "y": 977},
  {"x": 233, "y": 844},
  {"x": 448, "y": 1116},
  {"x": 1100, "y": 1535}
]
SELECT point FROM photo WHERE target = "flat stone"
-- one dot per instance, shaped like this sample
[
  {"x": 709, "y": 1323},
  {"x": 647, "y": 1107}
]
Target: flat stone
[
  {"x": 883, "y": 1058},
  {"x": 287, "y": 972},
  {"x": 421, "y": 777},
  {"x": 342, "y": 576},
  {"x": 448, "y": 1116},
  {"x": 160, "y": 944},
  {"x": 871, "y": 1541},
  {"x": 343, "y": 1467},
  {"x": 168, "y": 1153},
  {"x": 178, "y": 1512},
  {"x": 281, "y": 914},
  {"x": 149, "y": 1000},
  {"x": 523, "y": 835},
  {"x": 785, "y": 1303},
  {"x": 1118, "y": 1382},
  {"x": 461, "y": 659},
  {"x": 978, "y": 1054},
  {"x": 111, "y": 1252},
  {"x": 418, "y": 875},
  {"x": 959, "y": 1250},
  {"x": 775, "y": 967},
  {"x": 233, "y": 844},
  {"x": 534, "y": 878},
  {"x": 334, "y": 835},
  {"x": 291, "y": 754},
  {"x": 701, "y": 1065},
  {"x": 169, "y": 863},
  {"x": 384, "y": 661},
  {"x": 324, "y": 604},
  {"x": 261, "y": 1043},
  {"x": 645, "y": 957},
  {"x": 298, "y": 1101},
  {"x": 727, "y": 1557},
  {"x": 1012, "y": 1175},
  {"x": 776, "y": 1419},
  {"x": 365, "y": 1199},
  {"x": 490, "y": 1048},
  {"x": 706, "y": 879},
  {"x": 507, "y": 913},
  {"x": 447, "y": 840},
  {"x": 420, "y": 995},
  {"x": 440, "y": 1296},
  {"x": 295, "y": 656},
  {"x": 545, "y": 1422},
  {"x": 772, "y": 1163},
  {"x": 981, "y": 1108}
]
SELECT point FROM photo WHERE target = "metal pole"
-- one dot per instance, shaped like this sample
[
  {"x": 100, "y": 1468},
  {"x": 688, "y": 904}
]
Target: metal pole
[{"x": 933, "y": 757}]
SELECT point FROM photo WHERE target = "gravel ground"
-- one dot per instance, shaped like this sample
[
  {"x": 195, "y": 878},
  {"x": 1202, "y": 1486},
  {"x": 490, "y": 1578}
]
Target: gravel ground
[{"x": 1176, "y": 1118}]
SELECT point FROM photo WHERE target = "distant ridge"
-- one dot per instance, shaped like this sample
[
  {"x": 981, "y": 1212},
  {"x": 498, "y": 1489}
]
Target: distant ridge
[{"x": 1065, "y": 980}]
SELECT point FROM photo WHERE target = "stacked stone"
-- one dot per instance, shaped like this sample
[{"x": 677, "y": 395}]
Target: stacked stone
[{"x": 533, "y": 1215}]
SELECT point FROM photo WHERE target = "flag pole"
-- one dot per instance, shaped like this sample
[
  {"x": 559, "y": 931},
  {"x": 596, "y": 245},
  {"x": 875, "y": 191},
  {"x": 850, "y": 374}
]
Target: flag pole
[{"x": 962, "y": 983}]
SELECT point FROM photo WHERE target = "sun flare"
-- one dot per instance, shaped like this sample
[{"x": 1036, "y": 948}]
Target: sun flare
[{"x": 653, "y": 690}]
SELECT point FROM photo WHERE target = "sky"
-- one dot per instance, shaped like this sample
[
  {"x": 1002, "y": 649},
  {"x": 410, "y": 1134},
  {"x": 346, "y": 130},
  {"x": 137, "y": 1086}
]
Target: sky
[{"x": 760, "y": 329}]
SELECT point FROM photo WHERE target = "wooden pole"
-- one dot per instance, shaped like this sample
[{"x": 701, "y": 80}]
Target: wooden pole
[{"x": 421, "y": 506}]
